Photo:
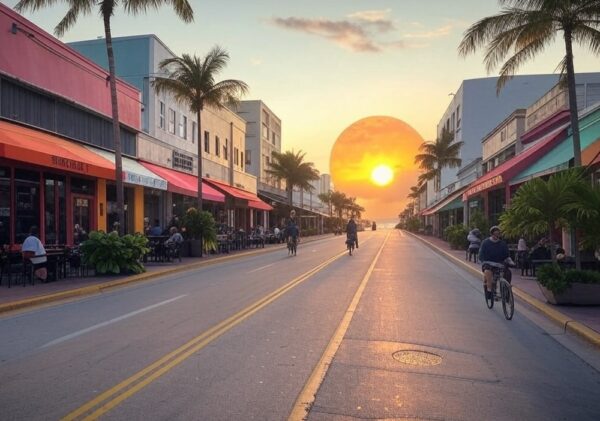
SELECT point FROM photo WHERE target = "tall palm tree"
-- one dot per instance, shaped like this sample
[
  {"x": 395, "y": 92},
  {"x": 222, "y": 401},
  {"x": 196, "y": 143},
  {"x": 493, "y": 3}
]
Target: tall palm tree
[
  {"x": 524, "y": 28},
  {"x": 354, "y": 208},
  {"x": 191, "y": 81},
  {"x": 291, "y": 167},
  {"x": 437, "y": 155},
  {"x": 106, "y": 9},
  {"x": 325, "y": 198},
  {"x": 340, "y": 201}
]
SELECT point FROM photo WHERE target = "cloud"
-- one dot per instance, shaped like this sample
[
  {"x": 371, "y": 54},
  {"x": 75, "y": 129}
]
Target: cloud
[
  {"x": 440, "y": 32},
  {"x": 347, "y": 34},
  {"x": 376, "y": 18}
]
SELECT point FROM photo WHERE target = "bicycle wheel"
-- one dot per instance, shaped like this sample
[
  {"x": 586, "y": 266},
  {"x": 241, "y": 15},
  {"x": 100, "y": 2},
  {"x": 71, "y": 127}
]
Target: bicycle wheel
[
  {"x": 508, "y": 299},
  {"x": 489, "y": 300}
]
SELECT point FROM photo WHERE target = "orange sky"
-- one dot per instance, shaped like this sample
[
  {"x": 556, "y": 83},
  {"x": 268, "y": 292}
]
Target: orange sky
[{"x": 366, "y": 144}]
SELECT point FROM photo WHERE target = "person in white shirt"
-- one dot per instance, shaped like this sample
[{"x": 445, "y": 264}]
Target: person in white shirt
[{"x": 34, "y": 251}]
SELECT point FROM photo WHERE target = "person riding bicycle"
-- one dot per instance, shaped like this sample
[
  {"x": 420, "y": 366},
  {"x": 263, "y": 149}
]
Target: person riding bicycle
[
  {"x": 291, "y": 229},
  {"x": 495, "y": 250},
  {"x": 352, "y": 231}
]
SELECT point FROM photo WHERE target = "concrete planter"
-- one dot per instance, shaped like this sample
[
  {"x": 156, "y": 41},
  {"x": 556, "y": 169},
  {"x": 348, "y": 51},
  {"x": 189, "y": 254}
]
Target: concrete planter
[
  {"x": 196, "y": 248},
  {"x": 578, "y": 294}
]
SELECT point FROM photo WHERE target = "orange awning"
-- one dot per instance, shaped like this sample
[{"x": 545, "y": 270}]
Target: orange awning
[{"x": 36, "y": 147}]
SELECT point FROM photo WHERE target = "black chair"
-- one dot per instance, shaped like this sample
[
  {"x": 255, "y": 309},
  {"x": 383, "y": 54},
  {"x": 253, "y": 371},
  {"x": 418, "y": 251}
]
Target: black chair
[{"x": 173, "y": 251}]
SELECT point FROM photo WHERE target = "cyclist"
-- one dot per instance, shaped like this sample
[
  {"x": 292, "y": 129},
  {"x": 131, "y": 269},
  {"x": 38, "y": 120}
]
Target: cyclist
[
  {"x": 494, "y": 249},
  {"x": 352, "y": 231},
  {"x": 292, "y": 232}
]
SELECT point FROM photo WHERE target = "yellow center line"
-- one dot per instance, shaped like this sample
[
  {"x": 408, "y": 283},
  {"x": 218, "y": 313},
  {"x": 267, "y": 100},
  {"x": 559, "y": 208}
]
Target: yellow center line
[
  {"x": 142, "y": 378},
  {"x": 309, "y": 391}
]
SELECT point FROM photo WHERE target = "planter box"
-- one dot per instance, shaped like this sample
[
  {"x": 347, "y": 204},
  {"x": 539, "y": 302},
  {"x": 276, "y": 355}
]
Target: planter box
[
  {"x": 196, "y": 248},
  {"x": 578, "y": 294},
  {"x": 185, "y": 249}
]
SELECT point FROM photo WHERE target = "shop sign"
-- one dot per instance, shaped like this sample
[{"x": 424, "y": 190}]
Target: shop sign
[
  {"x": 485, "y": 185},
  {"x": 144, "y": 180},
  {"x": 70, "y": 164}
]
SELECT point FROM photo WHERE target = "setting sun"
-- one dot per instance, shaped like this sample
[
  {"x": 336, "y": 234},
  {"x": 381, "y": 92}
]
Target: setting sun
[{"x": 382, "y": 175}]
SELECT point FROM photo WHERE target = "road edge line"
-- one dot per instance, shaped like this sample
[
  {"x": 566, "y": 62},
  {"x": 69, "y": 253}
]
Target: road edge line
[
  {"x": 308, "y": 393},
  {"x": 570, "y": 325}
]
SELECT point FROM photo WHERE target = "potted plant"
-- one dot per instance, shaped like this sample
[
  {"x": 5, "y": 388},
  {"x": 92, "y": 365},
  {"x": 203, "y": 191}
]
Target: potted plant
[
  {"x": 200, "y": 229},
  {"x": 575, "y": 287},
  {"x": 456, "y": 235},
  {"x": 111, "y": 254}
]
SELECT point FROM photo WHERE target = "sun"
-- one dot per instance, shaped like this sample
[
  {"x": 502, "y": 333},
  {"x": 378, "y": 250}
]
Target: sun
[{"x": 382, "y": 175}]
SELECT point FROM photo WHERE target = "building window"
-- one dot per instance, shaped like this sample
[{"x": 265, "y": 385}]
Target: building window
[
  {"x": 265, "y": 131},
  {"x": 236, "y": 156},
  {"x": 248, "y": 157},
  {"x": 27, "y": 202},
  {"x": 161, "y": 115},
  {"x": 274, "y": 138},
  {"x": 502, "y": 136},
  {"x": 225, "y": 152},
  {"x": 242, "y": 160},
  {"x": 183, "y": 127},
  {"x": 182, "y": 161},
  {"x": 217, "y": 146},
  {"x": 171, "y": 121},
  {"x": 194, "y": 131},
  {"x": 206, "y": 142},
  {"x": 265, "y": 117}
]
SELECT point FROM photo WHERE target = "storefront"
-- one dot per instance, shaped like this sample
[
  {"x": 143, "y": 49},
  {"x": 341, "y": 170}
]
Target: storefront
[
  {"x": 448, "y": 211},
  {"x": 48, "y": 182}
]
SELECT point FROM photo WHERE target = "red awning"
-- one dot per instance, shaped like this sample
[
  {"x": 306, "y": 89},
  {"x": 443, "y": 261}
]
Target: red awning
[
  {"x": 508, "y": 169},
  {"x": 41, "y": 148},
  {"x": 186, "y": 184},
  {"x": 253, "y": 200}
]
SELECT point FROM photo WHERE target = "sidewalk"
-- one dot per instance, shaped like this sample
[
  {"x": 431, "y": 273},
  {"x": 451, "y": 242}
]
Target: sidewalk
[
  {"x": 18, "y": 296},
  {"x": 582, "y": 320}
]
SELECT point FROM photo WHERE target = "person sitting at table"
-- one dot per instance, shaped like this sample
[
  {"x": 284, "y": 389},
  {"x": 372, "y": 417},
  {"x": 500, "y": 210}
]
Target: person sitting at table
[
  {"x": 541, "y": 251},
  {"x": 156, "y": 230},
  {"x": 34, "y": 251},
  {"x": 175, "y": 238},
  {"x": 79, "y": 235}
]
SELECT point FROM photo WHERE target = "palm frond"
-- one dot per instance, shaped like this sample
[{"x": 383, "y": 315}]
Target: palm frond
[{"x": 181, "y": 7}]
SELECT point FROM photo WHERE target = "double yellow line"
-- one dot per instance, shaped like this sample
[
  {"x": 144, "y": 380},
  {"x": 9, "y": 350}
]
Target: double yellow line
[{"x": 112, "y": 397}]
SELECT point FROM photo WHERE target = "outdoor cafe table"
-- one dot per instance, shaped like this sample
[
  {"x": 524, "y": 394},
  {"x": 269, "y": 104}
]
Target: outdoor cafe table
[{"x": 157, "y": 245}]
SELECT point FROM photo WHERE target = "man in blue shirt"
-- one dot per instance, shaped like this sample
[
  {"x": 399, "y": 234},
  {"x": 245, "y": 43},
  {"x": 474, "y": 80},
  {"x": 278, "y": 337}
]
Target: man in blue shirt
[{"x": 493, "y": 249}]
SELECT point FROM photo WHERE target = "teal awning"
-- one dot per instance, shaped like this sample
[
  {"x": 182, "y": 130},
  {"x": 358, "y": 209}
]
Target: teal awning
[
  {"x": 558, "y": 158},
  {"x": 455, "y": 204}
]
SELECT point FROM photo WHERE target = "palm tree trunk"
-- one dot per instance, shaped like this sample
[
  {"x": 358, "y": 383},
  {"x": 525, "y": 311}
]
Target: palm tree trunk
[
  {"x": 574, "y": 125},
  {"x": 116, "y": 127},
  {"x": 200, "y": 142},
  {"x": 290, "y": 189},
  {"x": 573, "y": 99}
]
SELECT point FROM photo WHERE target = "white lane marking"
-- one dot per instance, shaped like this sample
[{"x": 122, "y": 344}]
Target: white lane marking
[
  {"x": 111, "y": 321},
  {"x": 261, "y": 268},
  {"x": 401, "y": 233}
]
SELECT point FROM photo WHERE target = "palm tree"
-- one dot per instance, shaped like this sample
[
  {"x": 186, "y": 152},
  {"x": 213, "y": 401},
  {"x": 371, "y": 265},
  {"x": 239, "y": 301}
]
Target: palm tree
[
  {"x": 527, "y": 27},
  {"x": 354, "y": 208},
  {"x": 325, "y": 198},
  {"x": 541, "y": 206},
  {"x": 107, "y": 8},
  {"x": 339, "y": 201},
  {"x": 437, "y": 155},
  {"x": 290, "y": 166},
  {"x": 191, "y": 80}
]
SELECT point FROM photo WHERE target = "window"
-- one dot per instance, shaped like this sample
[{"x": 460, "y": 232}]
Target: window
[
  {"x": 265, "y": 131},
  {"x": 171, "y": 121},
  {"x": 27, "y": 202},
  {"x": 161, "y": 115},
  {"x": 502, "y": 136},
  {"x": 183, "y": 127},
  {"x": 206, "y": 142},
  {"x": 5, "y": 208},
  {"x": 274, "y": 137},
  {"x": 217, "y": 146},
  {"x": 236, "y": 156},
  {"x": 225, "y": 155},
  {"x": 265, "y": 117},
  {"x": 242, "y": 160},
  {"x": 248, "y": 159},
  {"x": 182, "y": 161},
  {"x": 194, "y": 131}
]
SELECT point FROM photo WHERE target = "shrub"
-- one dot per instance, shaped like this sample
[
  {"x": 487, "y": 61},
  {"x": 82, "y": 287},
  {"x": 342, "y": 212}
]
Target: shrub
[
  {"x": 456, "y": 235},
  {"x": 109, "y": 253},
  {"x": 478, "y": 220},
  {"x": 201, "y": 225},
  {"x": 413, "y": 224},
  {"x": 553, "y": 278}
]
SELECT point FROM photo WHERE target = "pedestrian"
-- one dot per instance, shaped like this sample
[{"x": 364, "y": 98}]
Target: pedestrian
[
  {"x": 33, "y": 251},
  {"x": 474, "y": 239}
]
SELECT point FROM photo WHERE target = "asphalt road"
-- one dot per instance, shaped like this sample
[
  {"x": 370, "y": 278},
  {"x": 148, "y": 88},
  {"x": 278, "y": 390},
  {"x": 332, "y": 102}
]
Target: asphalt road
[{"x": 240, "y": 341}]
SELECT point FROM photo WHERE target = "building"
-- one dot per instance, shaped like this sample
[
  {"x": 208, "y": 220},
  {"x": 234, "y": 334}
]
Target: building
[
  {"x": 56, "y": 146},
  {"x": 169, "y": 139}
]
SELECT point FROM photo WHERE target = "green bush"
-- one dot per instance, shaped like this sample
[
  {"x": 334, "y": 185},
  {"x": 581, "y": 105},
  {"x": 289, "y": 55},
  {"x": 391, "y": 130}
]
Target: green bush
[
  {"x": 413, "y": 224},
  {"x": 111, "y": 254},
  {"x": 553, "y": 278},
  {"x": 478, "y": 220},
  {"x": 201, "y": 224},
  {"x": 456, "y": 235}
]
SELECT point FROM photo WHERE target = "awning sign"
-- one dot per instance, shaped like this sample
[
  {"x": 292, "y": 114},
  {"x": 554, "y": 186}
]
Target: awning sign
[
  {"x": 487, "y": 184},
  {"x": 144, "y": 180}
]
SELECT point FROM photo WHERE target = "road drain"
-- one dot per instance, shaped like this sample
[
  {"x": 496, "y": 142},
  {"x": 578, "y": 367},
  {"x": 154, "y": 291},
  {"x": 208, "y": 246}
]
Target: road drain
[{"x": 413, "y": 357}]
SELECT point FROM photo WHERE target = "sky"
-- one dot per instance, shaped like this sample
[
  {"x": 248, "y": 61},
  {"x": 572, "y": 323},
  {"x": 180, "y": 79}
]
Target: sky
[{"x": 322, "y": 65}]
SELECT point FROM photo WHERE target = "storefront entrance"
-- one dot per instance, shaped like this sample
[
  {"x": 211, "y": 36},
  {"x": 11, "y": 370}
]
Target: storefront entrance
[{"x": 83, "y": 207}]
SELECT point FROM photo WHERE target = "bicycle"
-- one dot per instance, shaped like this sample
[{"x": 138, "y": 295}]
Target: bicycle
[
  {"x": 350, "y": 242},
  {"x": 506, "y": 294},
  {"x": 292, "y": 245}
]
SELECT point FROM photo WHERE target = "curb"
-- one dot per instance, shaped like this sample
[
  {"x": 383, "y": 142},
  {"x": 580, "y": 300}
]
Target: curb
[
  {"x": 568, "y": 324},
  {"x": 106, "y": 286}
]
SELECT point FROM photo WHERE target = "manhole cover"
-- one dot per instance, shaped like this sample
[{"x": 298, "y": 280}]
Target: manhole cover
[{"x": 417, "y": 357}]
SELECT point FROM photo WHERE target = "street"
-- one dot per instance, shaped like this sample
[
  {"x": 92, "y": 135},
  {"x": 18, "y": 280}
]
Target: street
[{"x": 410, "y": 334}]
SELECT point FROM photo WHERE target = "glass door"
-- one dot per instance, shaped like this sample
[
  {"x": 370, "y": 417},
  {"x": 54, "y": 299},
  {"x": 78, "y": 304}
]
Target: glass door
[{"x": 82, "y": 213}]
